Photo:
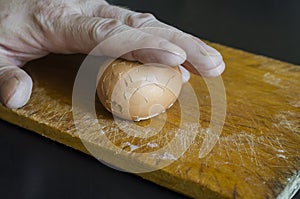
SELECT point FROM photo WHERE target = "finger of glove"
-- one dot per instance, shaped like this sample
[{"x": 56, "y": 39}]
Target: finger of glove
[
  {"x": 15, "y": 86},
  {"x": 82, "y": 34},
  {"x": 204, "y": 59}
]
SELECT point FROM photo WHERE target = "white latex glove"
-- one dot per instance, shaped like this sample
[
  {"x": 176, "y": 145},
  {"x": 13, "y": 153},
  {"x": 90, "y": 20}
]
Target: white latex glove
[{"x": 30, "y": 29}]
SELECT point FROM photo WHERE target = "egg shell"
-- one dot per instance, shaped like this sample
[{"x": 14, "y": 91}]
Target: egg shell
[{"x": 135, "y": 91}]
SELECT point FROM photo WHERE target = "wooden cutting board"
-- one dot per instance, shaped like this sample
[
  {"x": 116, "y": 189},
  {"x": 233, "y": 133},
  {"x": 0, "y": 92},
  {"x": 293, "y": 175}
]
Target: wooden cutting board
[{"x": 256, "y": 156}]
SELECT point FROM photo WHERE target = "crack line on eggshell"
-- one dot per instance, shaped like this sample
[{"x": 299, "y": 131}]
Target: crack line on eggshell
[
  {"x": 136, "y": 118},
  {"x": 169, "y": 80}
]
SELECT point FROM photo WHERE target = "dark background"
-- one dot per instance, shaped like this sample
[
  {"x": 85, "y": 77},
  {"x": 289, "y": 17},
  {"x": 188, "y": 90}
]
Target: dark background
[{"x": 34, "y": 167}]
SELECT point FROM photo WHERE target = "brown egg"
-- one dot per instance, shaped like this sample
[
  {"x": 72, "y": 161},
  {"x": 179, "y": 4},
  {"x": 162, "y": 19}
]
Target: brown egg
[{"x": 133, "y": 91}]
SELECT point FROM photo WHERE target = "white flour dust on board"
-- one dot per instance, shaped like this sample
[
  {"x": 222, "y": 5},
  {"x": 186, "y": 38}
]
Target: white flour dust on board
[
  {"x": 288, "y": 120},
  {"x": 295, "y": 103},
  {"x": 244, "y": 147},
  {"x": 134, "y": 147},
  {"x": 164, "y": 156},
  {"x": 131, "y": 146},
  {"x": 281, "y": 156},
  {"x": 271, "y": 79},
  {"x": 152, "y": 145}
]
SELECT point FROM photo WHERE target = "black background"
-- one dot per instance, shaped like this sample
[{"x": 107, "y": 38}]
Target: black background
[{"x": 35, "y": 167}]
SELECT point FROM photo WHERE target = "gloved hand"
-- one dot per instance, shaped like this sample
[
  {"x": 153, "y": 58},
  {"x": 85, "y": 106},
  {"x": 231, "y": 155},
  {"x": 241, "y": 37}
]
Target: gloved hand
[{"x": 30, "y": 29}]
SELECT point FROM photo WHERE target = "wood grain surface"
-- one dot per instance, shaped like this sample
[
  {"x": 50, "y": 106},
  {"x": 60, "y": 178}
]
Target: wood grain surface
[{"x": 256, "y": 156}]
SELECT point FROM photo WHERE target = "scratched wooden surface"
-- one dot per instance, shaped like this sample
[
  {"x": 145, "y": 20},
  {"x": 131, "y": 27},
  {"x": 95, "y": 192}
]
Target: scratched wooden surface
[{"x": 256, "y": 156}]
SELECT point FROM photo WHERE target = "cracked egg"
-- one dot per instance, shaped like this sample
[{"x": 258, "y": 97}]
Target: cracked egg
[{"x": 135, "y": 91}]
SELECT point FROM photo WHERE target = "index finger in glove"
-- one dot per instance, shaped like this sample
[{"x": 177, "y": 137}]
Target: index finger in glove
[{"x": 202, "y": 58}]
